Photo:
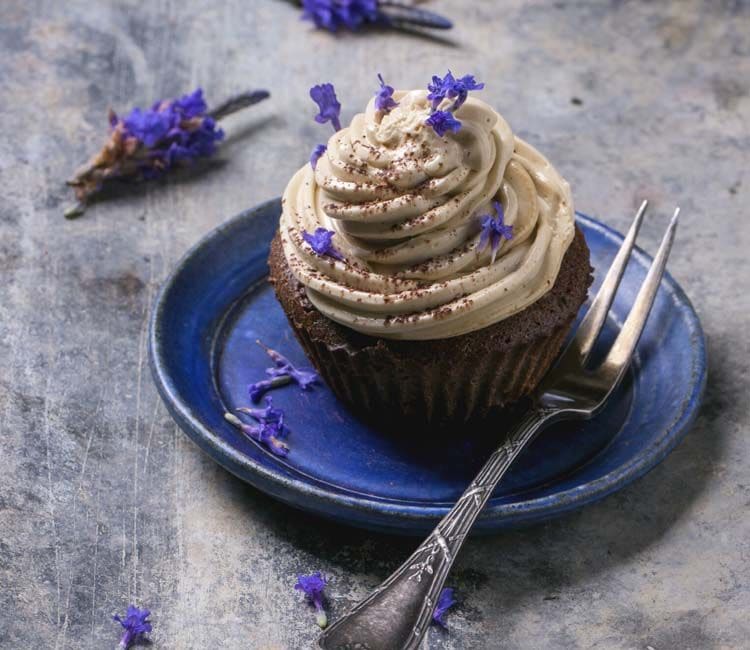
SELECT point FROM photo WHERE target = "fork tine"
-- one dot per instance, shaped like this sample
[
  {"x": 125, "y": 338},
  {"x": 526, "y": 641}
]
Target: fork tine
[
  {"x": 619, "y": 356},
  {"x": 591, "y": 325}
]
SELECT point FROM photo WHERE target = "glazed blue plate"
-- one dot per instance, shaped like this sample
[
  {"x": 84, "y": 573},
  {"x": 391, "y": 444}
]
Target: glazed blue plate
[{"x": 203, "y": 354}]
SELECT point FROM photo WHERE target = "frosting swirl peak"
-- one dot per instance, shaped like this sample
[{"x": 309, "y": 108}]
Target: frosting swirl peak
[{"x": 405, "y": 206}]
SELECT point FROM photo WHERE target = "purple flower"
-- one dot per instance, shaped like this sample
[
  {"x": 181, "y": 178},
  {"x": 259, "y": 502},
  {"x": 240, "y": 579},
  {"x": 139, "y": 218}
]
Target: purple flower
[
  {"x": 450, "y": 87},
  {"x": 284, "y": 372},
  {"x": 149, "y": 127},
  {"x": 270, "y": 430},
  {"x": 321, "y": 243},
  {"x": 333, "y": 14},
  {"x": 269, "y": 414},
  {"x": 136, "y": 625},
  {"x": 329, "y": 108},
  {"x": 384, "y": 97},
  {"x": 192, "y": 105},
  {"x": 317, "y": 152},
  {"x": 494, "y": 230},
  {"x": 147, "y": 143},
  {"x": 442, "y": 122},
  {"x": 313, "y": 586},
  {"x": 445, "y": 602},
  {"x": 285, "y": 368}
]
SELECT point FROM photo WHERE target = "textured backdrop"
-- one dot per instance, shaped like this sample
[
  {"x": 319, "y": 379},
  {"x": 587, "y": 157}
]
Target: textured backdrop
[{"x": 104, "y": 501}]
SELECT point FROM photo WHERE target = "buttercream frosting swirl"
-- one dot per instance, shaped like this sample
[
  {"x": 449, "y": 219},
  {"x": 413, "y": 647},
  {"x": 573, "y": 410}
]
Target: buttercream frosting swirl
[{"x": 404, "y": 204}]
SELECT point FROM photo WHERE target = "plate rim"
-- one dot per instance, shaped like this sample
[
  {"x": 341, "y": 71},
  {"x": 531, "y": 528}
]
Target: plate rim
[{"x": 500, "y": 515}]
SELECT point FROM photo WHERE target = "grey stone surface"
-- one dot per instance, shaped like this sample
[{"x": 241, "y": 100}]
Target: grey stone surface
[{"x": 103, "y": 501}]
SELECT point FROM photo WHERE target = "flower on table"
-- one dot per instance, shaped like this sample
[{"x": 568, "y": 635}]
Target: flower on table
[
  {"x": 269, "y": 434},
  {"x": 442, "y": 122},
  {"x": 494, "y": 230},
  {"x": 335, "y": 14},
  {"x": 384, "y": 96},
  {"x": 321, "y": 241},
  {"x": 313, "y": 587},
  {"x": 145, "y": 144},
  {"x": 316, "y": 154},
  {"x": 329, "y": 108},
  {"x": 444, "y": 603},
  {"x": 136, "y": 625}
]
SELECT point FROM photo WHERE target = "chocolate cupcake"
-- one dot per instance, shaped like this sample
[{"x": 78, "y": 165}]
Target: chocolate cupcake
[{"x": 429, "y": 263}]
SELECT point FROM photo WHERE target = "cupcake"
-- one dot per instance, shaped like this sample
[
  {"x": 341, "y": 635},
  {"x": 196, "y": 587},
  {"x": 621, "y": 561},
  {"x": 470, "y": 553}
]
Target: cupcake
[{"x": 427, "y": 259}]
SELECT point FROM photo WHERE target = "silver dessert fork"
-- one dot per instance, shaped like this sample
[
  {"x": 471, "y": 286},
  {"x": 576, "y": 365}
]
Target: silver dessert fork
[{"x": 397, "y": 614}]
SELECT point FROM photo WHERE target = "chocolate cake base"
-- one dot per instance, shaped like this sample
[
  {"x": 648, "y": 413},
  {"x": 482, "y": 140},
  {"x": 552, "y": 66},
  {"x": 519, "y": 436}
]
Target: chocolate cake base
[{"x": 444, "y": 381}]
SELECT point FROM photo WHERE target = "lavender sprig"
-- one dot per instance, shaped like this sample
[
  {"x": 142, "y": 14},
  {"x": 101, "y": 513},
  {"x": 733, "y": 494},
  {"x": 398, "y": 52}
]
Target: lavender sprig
[
  {"x": 136, "y": 625},
  {"x": 145, "y": 144},
  {"x": 313, "y": 586},
  {"x": 333, "y": 15}
]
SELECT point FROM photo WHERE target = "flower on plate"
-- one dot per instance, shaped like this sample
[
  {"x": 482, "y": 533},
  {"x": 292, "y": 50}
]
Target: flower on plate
[
  {"x": 321, "y": 241},
  {"x": 494, "y": 230},
  {"x": 313, "y": 586},
  {"x": 329, "y": 108},
  {"x": 316, "y": 154},
  {"x": 270, "y": 430},
  {"x": 384, "y": 96},
  {"x": 135, "y": 624},
  {"x": 442, "y": 122},
  {"x": 444, "y": 603},
  {"x": 282, "y": 373}
]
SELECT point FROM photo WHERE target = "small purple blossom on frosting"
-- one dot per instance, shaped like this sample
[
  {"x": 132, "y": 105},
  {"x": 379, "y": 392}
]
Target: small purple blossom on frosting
[
  {"x": 329, "y": 108},
  {"x": 494, "y": 230},
  {"x": 313, "y": 586},
  {"x": 321, "y": 241},
  {"x": 317, "y": 152},
  {"x": 334, "y": 14},
  {"x": 451, "y": 88},
  {"x": 442, "y": 122},
  {"x": 135, "y": 624},
  {"x": 384, "y": 97},
  {"x": 445, "y": 602}
]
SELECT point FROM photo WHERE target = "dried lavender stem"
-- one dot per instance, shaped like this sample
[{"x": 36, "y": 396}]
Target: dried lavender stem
[{"x": 238, "y": 102}]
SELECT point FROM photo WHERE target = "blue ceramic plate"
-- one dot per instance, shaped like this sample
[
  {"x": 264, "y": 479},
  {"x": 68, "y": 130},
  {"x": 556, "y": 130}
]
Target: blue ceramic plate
[{"x": 217, "y": 302}]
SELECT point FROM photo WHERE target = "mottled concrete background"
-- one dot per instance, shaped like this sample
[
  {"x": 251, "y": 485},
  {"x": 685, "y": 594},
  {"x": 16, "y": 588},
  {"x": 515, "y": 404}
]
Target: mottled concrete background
[{"x": 104, "y": 501}]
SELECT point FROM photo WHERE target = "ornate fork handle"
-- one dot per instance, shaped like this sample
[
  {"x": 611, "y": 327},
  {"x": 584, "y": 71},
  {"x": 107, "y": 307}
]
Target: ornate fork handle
[{"x": 397, "y": 614}]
